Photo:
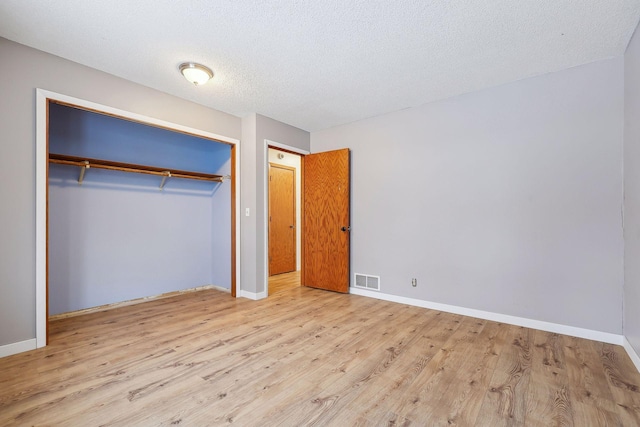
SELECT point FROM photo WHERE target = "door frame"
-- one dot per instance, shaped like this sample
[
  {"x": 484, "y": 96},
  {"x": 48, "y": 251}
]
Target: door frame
[
  {"x": 265, "y": 226},
  {"x": 43, "y": 97}
]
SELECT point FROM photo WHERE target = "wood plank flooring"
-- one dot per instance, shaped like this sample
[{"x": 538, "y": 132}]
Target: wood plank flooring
[
  {"x": 284, "y": 282},
  {"x": 311, "y": 357}
]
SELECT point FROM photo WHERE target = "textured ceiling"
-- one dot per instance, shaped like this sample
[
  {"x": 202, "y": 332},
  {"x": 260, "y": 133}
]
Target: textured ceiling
[{"x": 318, "y": 64}]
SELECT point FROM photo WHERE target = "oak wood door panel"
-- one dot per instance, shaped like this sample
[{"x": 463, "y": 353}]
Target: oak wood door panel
[
  {"x": 282, "y": 219},
  {"x": 326, "y": 220}
]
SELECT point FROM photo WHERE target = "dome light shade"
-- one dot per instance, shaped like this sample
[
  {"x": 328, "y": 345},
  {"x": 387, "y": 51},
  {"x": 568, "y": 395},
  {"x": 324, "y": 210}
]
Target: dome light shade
[{"x": 197, "y": 74}]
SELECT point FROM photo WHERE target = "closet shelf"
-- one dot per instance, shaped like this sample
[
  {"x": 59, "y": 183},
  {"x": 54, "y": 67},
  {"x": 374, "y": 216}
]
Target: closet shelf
[{"x": 85, "y": 163}]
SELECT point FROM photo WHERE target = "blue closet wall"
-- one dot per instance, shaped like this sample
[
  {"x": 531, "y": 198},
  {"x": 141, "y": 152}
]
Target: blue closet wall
[{"x": 118, "y": 237}]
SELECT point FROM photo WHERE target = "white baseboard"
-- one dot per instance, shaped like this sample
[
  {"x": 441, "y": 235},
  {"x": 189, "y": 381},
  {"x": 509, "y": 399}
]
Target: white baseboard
[
  {"x": 17, "y": 347},
  {"x": 496, "y": 317},
  {"x": 252, "y": 295},
  {"x": 632, "y": 353}
]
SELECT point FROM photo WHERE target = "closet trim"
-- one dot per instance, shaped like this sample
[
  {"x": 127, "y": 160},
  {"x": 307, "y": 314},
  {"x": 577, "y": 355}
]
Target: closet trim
[{"x": 43, "y": 98}]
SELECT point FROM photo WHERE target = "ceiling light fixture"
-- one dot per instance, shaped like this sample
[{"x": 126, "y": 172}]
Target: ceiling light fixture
[{"x": 197, "y": 74}]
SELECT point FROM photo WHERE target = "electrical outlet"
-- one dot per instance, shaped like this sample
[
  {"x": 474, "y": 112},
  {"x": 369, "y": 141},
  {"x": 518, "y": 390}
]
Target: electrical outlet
[{"x": 414, "y": 282}]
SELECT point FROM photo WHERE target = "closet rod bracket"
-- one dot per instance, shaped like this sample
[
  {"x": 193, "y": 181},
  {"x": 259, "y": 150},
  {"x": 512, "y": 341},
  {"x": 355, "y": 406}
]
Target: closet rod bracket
[
  {"x": 83, "y": 168},
  {"x": 167, "y": 174}
]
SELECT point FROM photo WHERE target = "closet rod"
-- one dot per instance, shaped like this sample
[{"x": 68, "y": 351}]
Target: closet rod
[{"x": 85, "y": 163}]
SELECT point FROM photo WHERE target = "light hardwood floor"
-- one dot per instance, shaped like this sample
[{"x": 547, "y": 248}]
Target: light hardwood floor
[
  {"x": 284, "y": 282},
  {"x": 311, "y": 357}
]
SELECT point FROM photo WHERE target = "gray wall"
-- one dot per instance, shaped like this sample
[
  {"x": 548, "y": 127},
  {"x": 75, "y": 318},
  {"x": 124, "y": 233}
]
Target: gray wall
[
  {"x": 23, "y": 69},
  {"x": 248, "y": 201},
  {"x": 506, "y": 200},
  {"x": 255, "y": 129},
  {"x": 632, "y": 194}
]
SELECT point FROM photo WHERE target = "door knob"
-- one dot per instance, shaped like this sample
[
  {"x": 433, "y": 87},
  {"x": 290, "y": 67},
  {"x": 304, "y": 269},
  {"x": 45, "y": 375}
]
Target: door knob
[
  {"x": 292, "y": 226},
  {"x": 345, "y": 228}
]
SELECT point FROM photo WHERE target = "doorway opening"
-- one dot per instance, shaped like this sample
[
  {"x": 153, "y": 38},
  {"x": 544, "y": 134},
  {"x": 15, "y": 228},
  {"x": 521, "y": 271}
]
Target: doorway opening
[
  {"x": 284, "y": 220},
  {"x": 324, "y": 224}
]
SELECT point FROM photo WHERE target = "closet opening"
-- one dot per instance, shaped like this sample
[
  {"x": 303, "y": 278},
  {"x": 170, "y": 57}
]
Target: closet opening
[{"x": 133, "y": 209}]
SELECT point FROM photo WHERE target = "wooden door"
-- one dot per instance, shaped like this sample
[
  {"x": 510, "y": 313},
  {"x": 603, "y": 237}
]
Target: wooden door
[
  {"x": 326, "y": 220},
  {"x": 282, "y": 219}
]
